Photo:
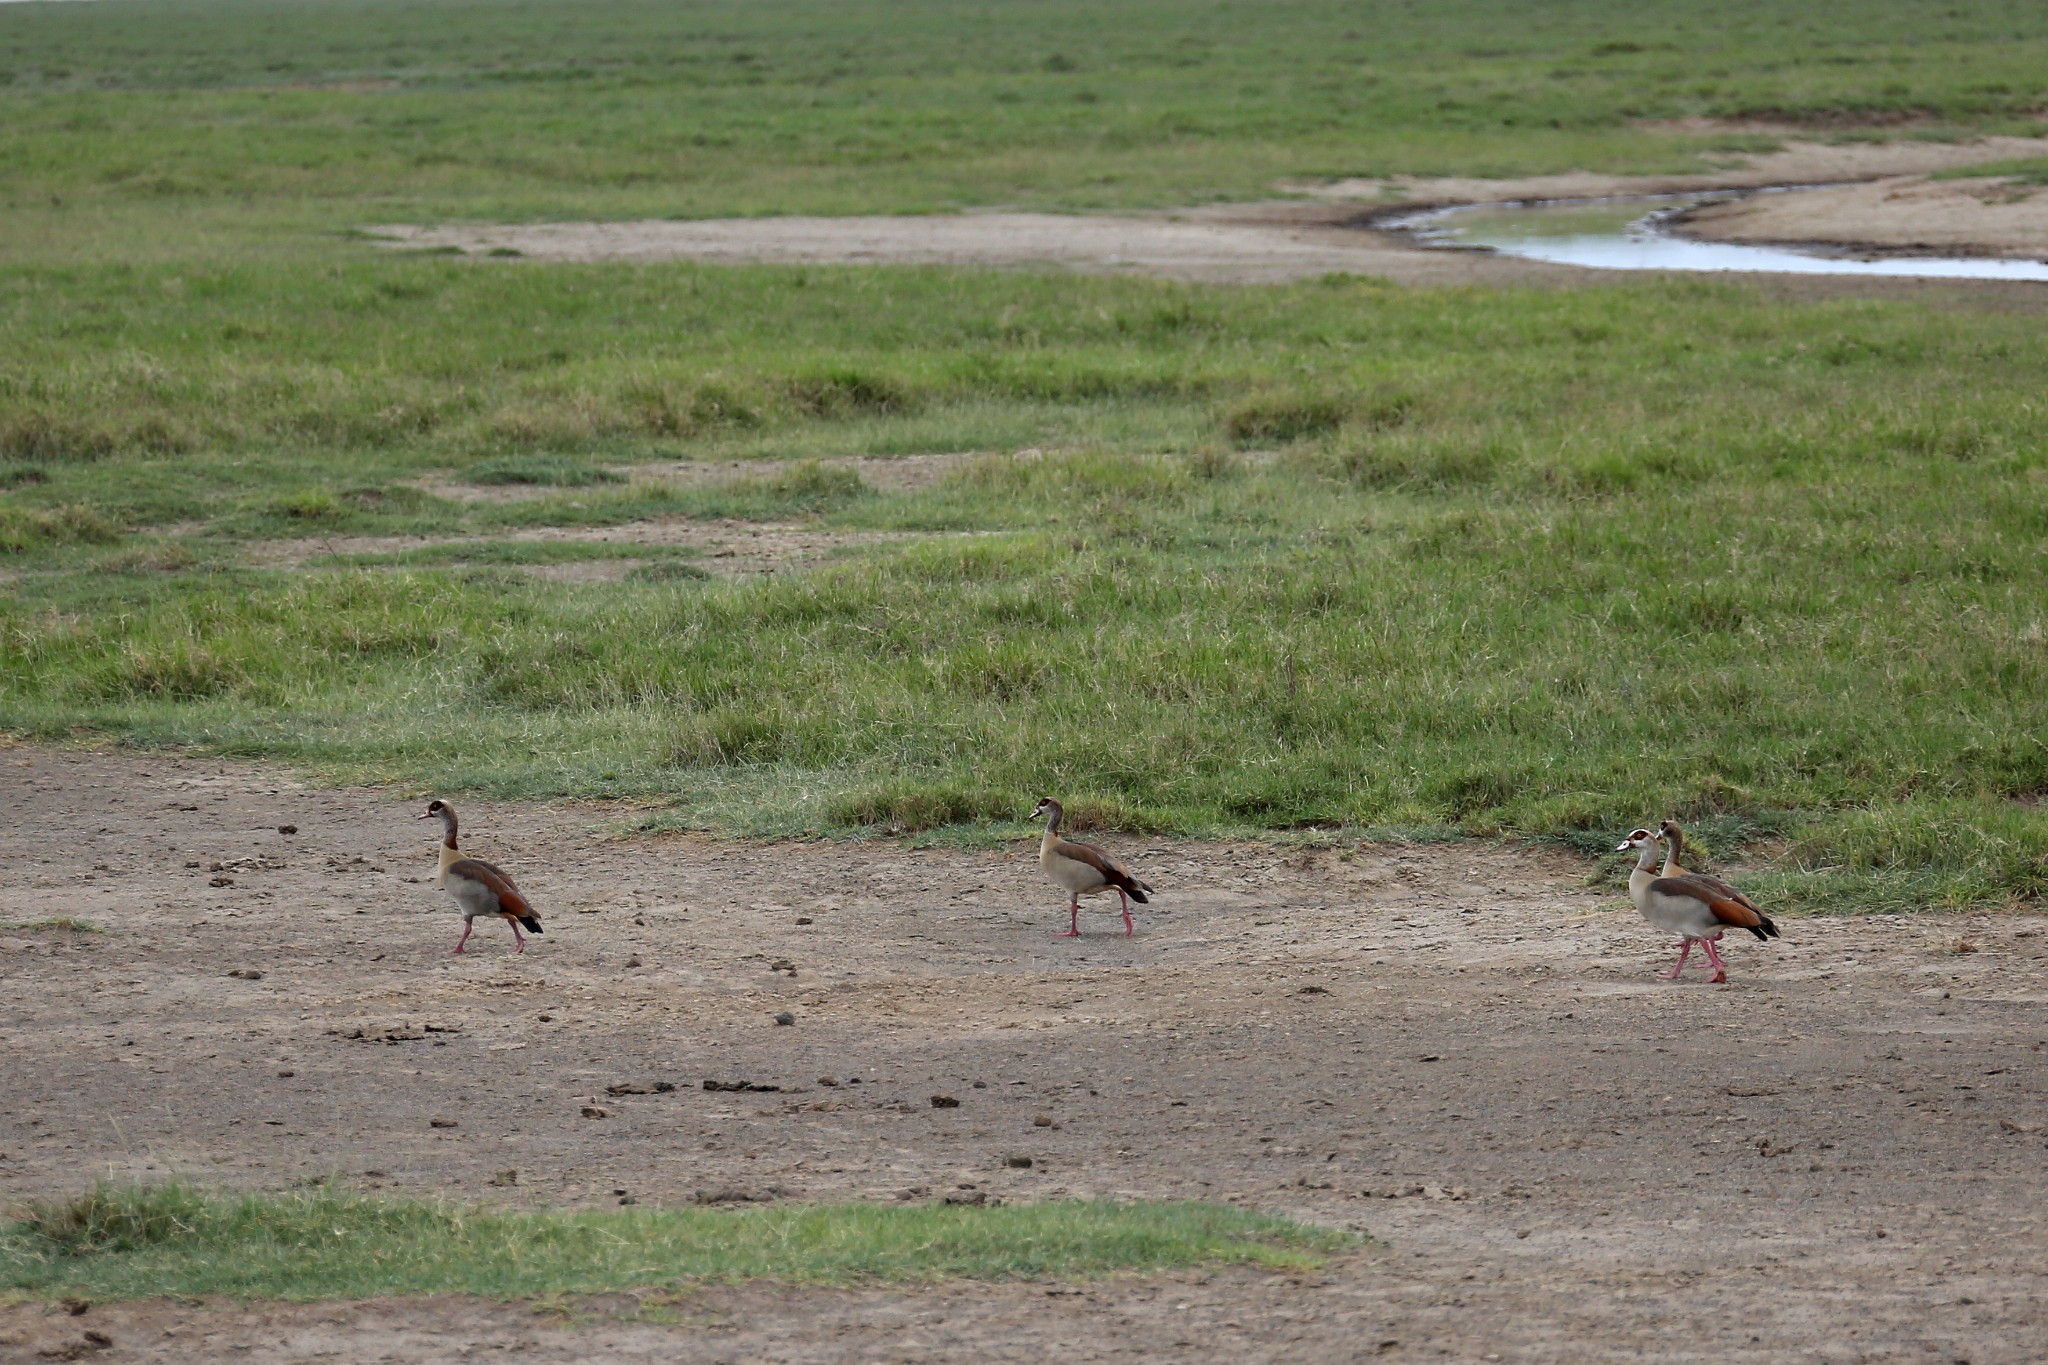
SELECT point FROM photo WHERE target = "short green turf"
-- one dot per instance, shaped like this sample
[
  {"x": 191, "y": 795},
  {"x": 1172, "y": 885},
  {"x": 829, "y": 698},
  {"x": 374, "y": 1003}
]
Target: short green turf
[
  {"x": 1333, "y": 555},
  {"x": 123, "y": 1242}
]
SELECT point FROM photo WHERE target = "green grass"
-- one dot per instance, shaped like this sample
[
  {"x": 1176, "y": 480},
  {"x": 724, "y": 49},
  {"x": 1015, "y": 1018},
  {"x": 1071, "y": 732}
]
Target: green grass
[
  {"x": 2025, "y": 171},
  {"x": 293, "y": 113},
  {"x": 1335, "y": 554},
  {"x": 61, "y": 923},
  {"x": 145, "y": 1242},
  {"x": 1519, "y": 563}
]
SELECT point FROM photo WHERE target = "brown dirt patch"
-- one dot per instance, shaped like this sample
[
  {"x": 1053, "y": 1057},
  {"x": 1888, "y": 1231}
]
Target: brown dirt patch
[
  {"x": 733, "y": 549},
  {"x": 1988, "y": 217},
  {"x": 1839, "y": 1158},
  {"x": 1246, "y": 243},
  {"x": 1796, "y": 163},
  {"x": 1238, "y": 247}
]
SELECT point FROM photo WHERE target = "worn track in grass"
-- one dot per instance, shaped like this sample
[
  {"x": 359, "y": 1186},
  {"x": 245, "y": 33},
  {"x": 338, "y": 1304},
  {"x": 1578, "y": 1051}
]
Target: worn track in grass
[{"x": 1460, "y": 1048}]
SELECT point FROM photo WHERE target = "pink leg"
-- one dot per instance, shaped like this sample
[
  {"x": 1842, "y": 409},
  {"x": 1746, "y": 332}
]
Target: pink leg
[
  {"x": 1720, "y": 967},
  {"x": 518, "y": 939},
  {"x": 1129, "y": 927},
  {"x": 1684, "y": 952},
  {"x": 1074, "y": 920},
  {"x": 467, "y": 925}
]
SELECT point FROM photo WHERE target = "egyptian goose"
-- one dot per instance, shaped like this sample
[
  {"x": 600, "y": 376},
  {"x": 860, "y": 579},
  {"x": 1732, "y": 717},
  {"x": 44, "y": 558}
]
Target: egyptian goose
[
  {"x": 1083, "y": 870},
  {"x": 1695, "y": 907},
  {"x": 478, "y": 887}
]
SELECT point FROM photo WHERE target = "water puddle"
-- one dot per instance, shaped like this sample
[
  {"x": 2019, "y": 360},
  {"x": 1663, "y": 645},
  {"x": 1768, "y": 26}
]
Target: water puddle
[{"x": 1633, "y": 233}]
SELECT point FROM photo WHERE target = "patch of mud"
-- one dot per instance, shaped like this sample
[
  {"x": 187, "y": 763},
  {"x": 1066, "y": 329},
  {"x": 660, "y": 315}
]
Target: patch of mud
[
  {"x": 1257, "y": 243},
  {"x": 732, "y": 549},
  {"x": 1797, "y": 163},
  {"x": 1461, "y": 1049},
  {"x": 1241, "y": 248},
  {"x": 1979, "y": 216}
]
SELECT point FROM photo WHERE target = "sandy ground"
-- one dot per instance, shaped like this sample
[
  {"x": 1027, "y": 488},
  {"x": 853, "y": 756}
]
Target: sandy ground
[
  {"x": 1462, "y": 1050},
  {"x": 1331, "y": 232},
  {"x": 1278, "y": 244},
  {"x": 1977, "y": 217}
]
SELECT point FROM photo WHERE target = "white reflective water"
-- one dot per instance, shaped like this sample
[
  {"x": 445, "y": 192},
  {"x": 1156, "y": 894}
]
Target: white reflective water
[{"x": 1629, "y": 234}]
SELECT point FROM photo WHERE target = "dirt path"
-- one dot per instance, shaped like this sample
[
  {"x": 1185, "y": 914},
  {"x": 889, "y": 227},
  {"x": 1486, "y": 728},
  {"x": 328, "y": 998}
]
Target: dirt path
[{"x": 1461, "y": 1049}]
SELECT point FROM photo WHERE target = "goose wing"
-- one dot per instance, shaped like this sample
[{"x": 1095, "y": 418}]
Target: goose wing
[
  {"x": 1729, "y": 905},
  {"x": 1113, "y": 872},
  {"x": 511, "y": 903}
]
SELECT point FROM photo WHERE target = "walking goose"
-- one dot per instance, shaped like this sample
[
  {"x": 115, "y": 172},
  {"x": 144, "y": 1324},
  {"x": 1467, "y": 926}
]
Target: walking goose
[
  {"x": 1691, "y": 905},
  {"x": 478, "y": 887},
  {"x": 1083, "y": 870}
]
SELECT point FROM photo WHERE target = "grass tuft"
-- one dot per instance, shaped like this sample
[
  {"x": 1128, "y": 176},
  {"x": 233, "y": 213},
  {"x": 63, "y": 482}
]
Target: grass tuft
[{"x": 121, "y": 1242}]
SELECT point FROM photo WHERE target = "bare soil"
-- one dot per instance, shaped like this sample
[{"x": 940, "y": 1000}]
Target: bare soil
[
  {"x": 1332, "y": 231},
  {"x": 1463, "y": 1050},
  {"x": 732, "y": 549},
  {"x": 1238, "y": 247},
  {"x": 1976, "y": 217}
]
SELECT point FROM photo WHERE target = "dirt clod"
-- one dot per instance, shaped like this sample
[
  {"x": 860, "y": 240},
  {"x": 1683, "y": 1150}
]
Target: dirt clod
[
  {"x": 945, "y": 1102},
  {"x": 596, "y": 1111}
]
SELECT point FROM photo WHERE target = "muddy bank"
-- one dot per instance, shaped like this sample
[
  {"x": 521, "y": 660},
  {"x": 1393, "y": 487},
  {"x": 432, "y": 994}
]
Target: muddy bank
[
  {"x": 1241, "y": 247},
  {"x": 1972, "y": 217},
  {"x": 1463, "y": 1050},
  {"x": 1329, "y": 230}
]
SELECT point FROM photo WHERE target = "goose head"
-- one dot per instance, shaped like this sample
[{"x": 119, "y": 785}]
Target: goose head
[{"x": 1638, "y": 838}]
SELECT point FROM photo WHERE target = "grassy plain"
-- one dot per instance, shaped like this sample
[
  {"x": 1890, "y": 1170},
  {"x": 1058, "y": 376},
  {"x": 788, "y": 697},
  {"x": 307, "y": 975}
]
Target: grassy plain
[
  {"x": 120, "y": 1242},
  {"x": 1327, "y": 554}
]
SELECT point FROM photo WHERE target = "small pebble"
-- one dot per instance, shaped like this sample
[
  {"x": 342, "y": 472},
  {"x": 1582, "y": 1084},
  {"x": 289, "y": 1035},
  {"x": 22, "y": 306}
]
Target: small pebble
[
  {"x": 287, "y": 829},
  {"x": 944, "y": 1102},
  {"x": 596, "y": 1111},
  {"x": 785, "y": 1018}
]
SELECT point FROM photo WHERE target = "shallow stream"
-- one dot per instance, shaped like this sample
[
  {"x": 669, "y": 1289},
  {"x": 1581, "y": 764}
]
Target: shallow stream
[{"x": 1635, "y": 233}]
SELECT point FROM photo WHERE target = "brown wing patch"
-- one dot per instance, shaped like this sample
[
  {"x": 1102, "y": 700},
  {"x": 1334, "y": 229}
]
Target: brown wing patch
[
  {"x": 511, "y": 904},
  {"x": 1727, "y": 904},
  {"x": 1113, "y": 872},
  {"x": 1089, "y": 854}
]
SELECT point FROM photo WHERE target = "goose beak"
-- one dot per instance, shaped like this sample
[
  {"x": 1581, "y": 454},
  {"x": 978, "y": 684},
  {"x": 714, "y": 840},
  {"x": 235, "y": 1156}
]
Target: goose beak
[
  {"x": 1624, "y": 846},
  {"x": 424, "y": 815}
]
